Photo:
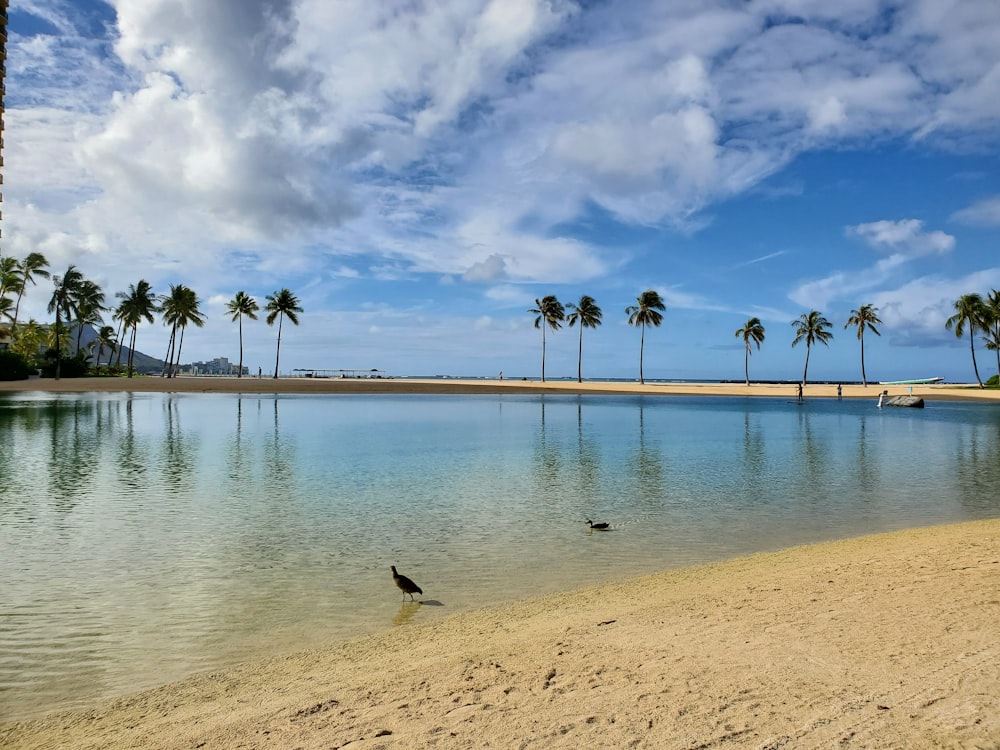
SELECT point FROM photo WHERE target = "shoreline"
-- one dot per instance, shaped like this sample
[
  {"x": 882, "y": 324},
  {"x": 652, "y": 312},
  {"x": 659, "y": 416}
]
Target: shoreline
[
  {"x": 203, "y": 384},
  {"x": 891, "y": 640}
]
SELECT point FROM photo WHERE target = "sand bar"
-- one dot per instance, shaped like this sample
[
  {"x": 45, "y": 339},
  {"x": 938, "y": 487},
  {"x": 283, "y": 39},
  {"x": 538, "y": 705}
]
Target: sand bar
[
  {"x": 400, "y": 386},
  {"x": 888, "y": 641}
]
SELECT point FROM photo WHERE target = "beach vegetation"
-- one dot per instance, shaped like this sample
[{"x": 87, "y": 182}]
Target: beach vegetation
[
  {"x": 864, "y": 317},
  {"x": 971, "y": 313},
  {"x": 588, "y": 315},
  {"x": 90, "y": 308},
  {"x": 752, "y": 332},
  {"x": 280, "y": 305},
  {"x": 64, "y": 303},
  {"x": 106, "y": 339},
  {"x": 812, "y": 328},
  {"x": 137, "y": 304},
  {"x": 239, "y": 306},
  {"x": 10, "y": 278},
  {"x": 13, "y": 366},
  {"x": 29, "y": 341},
  {"x": 646, "y": 312},
  {"x": 33, "y": 267},
  {"x": 57, "y": 364},
  {"x": 178, "y": 309},
  {"x": 992, "y": 337},
  {"x": 549, "y": 312}
]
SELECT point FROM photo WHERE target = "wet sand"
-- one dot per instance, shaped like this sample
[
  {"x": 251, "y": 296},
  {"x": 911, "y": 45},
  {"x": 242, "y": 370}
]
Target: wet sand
[{"x": 889, "y": 641}]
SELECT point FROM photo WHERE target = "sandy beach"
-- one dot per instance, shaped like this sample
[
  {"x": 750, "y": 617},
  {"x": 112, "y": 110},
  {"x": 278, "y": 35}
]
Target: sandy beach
[
  {"x": 889, "y": 641},
  {"x": 938, "y": 391}
]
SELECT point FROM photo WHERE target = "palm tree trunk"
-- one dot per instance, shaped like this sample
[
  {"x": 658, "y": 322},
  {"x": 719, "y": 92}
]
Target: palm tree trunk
[
  {"x": 240, "y": 373},
  {"x": 167, "y": 358},
  {"x": 805, "y": 371},
  {"x": 642, "y": 345},
  {"x": 746, "y": 363},
  {"x": 864, "y": 379},
  {"x": 281, "y": 319},
  {"x": 177, "y": 365},
  {"x": 543, "y": 352},
  {"x": 579, "y": 358},
  {"x": 17, "y": 308},
  {"x": 79, "y": 335},
  {"x": 972, "y": 345},
  {"x": 100, "y": 350},
  {"x": 58, "y": 355},
  {"x": 121, "y": 325},
  {"x": 131, "y": 348}
]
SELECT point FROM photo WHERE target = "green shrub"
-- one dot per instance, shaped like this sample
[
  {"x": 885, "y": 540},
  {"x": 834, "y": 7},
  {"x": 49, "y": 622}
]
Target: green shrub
[
  {"x": 13, "y": 366},
  {"x": 994, "y": 381},
  {"x": 70, "y": 367}
]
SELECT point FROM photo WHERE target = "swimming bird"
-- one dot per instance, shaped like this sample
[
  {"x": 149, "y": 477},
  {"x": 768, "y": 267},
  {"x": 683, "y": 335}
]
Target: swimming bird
[
  {"x": 405, "y": 584},
  {"x": 598, "y": 526}
]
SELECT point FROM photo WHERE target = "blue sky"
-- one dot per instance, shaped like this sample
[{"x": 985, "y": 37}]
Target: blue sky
[{"x": 417, "y": 173}]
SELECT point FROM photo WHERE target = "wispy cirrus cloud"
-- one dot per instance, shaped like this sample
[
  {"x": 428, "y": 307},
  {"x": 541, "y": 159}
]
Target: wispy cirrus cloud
[{"x": 985, "y": 212}]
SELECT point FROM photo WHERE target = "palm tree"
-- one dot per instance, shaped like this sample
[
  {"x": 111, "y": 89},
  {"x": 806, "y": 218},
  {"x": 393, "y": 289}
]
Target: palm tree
[
  {"x": 751, "y": 332},
  {"x": 811, "y": 328},
  {"x": 589, "y": 315},
  {"x": 31, "y": 268},
  {"x": 179, "y": 308},
  {"x": 280, "y": 305},
  {"x": 549, "y": 312},
  {"x": 240, "y": 305},
  {"x": 137, "y": 304},
  {"x": 993, "y": 330},
  {"x": 646, "y": 312},
  {"x": 971, "y": 311},
  {"x": 106, "y": 337},
  {"x": 10, "y": 275},
  {"x": 29, "y": 340},
  {"x": 864, "y": 317},
  {"x": 89, "y": 306},
  {"x": 63, "y": 301}
]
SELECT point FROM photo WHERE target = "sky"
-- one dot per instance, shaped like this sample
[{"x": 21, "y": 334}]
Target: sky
[{"x": 418, "y": 173}]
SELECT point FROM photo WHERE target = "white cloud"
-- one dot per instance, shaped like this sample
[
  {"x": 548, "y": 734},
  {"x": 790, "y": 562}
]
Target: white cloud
[
  {"x": 985, "y": 212},
  {"x": 906, "y": 238}
]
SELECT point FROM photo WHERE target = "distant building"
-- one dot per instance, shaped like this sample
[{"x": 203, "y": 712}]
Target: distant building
[{"x": 217, "y": 366}]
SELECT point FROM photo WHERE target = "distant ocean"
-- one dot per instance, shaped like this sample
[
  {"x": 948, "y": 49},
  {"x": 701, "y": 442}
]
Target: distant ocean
[{"x": 144, "y": 537}]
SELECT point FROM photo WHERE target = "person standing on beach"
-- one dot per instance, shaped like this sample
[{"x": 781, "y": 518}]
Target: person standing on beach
[
  {"x": 501, "y": 375},
  {"x": 799, "y": 396}
]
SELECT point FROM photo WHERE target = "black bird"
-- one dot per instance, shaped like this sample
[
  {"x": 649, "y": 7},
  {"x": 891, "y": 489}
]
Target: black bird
[
  {"x": 405, "y": 584},
  {"x": 599, "y": 526}
]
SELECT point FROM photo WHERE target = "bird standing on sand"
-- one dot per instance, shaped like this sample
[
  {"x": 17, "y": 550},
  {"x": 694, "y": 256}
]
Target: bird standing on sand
[
  {"x": 405, "y": 584},
  {"x": 598, "y": 526}
]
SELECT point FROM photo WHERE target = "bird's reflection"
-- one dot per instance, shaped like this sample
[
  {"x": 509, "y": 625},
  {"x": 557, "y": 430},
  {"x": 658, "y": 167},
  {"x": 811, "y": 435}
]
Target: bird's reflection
[{"x": 406, "y": 612}]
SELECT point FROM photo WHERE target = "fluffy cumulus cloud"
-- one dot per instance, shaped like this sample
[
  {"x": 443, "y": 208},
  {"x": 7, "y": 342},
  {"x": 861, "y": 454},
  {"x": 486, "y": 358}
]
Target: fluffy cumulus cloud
[{"x": 906, "y": 237}]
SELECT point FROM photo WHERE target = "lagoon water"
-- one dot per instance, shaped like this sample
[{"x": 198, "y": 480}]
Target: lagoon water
[{"x": 144, "y": 537}]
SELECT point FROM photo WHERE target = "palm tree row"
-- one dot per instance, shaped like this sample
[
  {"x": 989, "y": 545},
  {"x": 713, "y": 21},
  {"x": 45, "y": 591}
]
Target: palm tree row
[
  {"x": 550, "y": 312},
  {"x": 81, "y": 301}
]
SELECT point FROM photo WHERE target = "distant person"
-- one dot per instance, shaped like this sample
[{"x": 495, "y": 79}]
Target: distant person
[
  {"x": 840, "y": 392},
  {"x": 259, "y": 373},
  {"x": 799, "y": 396},
  {"x": 501, "y": 375},
  {"x": 881, "y": 397}
]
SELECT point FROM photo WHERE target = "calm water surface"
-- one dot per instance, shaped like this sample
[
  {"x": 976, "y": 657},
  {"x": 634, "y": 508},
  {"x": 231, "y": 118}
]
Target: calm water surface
[{"x": 145, "y": 537}]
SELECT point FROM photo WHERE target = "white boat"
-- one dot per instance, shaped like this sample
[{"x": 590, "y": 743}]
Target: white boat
[{"x": 918, "y": 381}]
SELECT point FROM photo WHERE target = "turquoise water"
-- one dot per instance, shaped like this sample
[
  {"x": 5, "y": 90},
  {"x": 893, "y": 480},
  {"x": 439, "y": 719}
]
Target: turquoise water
[{"x": 145, "y": 537}]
